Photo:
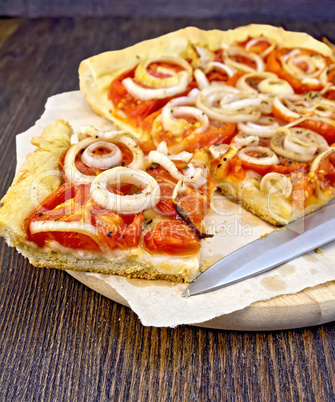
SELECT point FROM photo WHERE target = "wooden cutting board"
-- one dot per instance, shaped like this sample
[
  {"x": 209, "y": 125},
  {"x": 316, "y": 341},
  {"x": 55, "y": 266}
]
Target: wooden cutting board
[{"x": 312, "y": 306}]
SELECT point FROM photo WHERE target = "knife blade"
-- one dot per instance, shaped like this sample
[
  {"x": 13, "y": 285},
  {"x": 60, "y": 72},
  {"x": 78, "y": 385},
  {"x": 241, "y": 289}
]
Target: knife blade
[{"x": 263, "y": 254}]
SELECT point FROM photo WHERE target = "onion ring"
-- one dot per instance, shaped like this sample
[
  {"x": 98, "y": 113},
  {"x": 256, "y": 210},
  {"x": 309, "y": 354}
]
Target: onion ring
[
  {"x": 276, "y": 183},
  {"x": 147, "y": 198},
  {"x": 264, "y": 128},
  {"x": 228, "y": 104},
  {"x": 104, "y": 161},
  {"x": 238, "y": 51},
  {"x": 270, "y": 158}
]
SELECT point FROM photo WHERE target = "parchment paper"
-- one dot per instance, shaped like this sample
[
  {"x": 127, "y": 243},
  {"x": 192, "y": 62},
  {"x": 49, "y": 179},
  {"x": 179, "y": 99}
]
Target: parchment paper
[{"x": 159, "y": 303}]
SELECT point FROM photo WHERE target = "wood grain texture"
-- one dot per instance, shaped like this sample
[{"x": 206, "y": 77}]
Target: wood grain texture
[
  {"x": 312, "y": 306},
  {"x": 305, "y": 10},
  {"x": 60, "y": 340}
]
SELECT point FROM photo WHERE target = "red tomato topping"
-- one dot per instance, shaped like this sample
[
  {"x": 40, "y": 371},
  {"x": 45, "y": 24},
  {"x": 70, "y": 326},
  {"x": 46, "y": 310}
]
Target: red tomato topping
[
  {"x": 237, "y": 167},
  {"x": 136, "y": 110},
  {"x": 73, "y": 204},
  {"x": 167, "y": 185},
  {"x": 274, "y": 65},
  {"x": 217, "y": 133},
  {"x": 172, "y": 237},
  {"x": 325, "y": 129},
  {"x": 326, "y": 172}
]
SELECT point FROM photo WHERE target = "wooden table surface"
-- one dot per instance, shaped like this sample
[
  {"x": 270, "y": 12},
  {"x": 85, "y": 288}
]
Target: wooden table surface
[{"x": 61, "y": 341}]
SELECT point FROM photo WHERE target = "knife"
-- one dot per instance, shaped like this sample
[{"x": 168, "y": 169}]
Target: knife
[{"x": 263, "y": 254}]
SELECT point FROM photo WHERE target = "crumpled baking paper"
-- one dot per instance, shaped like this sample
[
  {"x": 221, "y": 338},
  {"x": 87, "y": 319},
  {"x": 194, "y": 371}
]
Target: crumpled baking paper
[{"x": 159, "y": 303}]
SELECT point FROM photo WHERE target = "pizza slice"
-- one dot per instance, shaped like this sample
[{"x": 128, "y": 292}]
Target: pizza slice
[
  {"x": 281, "y": 178},
  {"x": 256, "y": 104},
  {"x": 99, "y": 205}
]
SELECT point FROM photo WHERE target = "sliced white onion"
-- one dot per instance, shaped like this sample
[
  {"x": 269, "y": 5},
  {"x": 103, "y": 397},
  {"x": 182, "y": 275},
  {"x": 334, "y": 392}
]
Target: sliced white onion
[
  {"x": 325, "y": 73},
  {"x": 188, "y": 100},
  {"x": 201, "y": 79},
  {"x": 238, "y": 51},
  {"x": 147, "y": 198},
  {"x": 311, "y": 104},
  {"x": 243, "y": 82},
  {"x": 228, "y": 104},
  {"x": 144, "y": 77},
  {"x": 215, "y": 65},
  {"x": 266, "y": 103},
  {"x": 195, "y": 174},
  {"x": 254, "y": 42},
  {"x": 167, "y": 164},
  {"x": 143, "y": 93},
  {"x": 105, "y": 161},
  {"x": 292, "y": 152},
  {"x": 269, "y": 158},
  {"x": 205, "y": 56},
  {"x": 182, "y": 156},
  {"x": 172, "y": 119},
  {"x": 291, "y": 145},
  {"x": 275, "y": 86},
  {"x": 138, "y": 157},
  {"x": 114, "y": 137},
  {"x": 264, "y": 128},
  {"x": 278, "y": 103},
  {"x": 315, "y": 63},
  {"x": 310, "y": 81},
  {"x": 276, "y": 183},
  {"x": 301, "y": 140},
  {"x": 218, "y": 150},
  {"x": 323, "y": 107},
  {"x": 70, "y": 169},
  {"x": 245, "y": 139},
  {"x": 60, "y": 226},
  {"x": 162, "y": 148}
]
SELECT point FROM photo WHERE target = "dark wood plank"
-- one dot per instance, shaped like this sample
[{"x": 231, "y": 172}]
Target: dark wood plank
[
  {"x": 60, "y": 340},
  {"x": 305, "y": 10},
  {"x": 7, "y": 29}
]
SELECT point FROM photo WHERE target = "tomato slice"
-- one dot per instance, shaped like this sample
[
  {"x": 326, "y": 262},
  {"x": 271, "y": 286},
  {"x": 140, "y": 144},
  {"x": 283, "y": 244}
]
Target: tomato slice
[
  {"x": 167, "y": 184},
  {"x": 323, "y": 128},
  {"x": 237, "y": 168},
  {"x": 302, "y": 189},
  {"x": 172, "y": 237},
  {"x": 118, "y": 231},
  {"x": 74, "y": 241},
  {"x": 71, "y": 203},
  {"x": 217, "y": 133},
  {"x": 232, "y": 80},
  {"x": 326, "y": 173},
  {"x": 274, "y": 65},
  {"x": 135, "y": 110},
  {"x": 192, "y": 204}
]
